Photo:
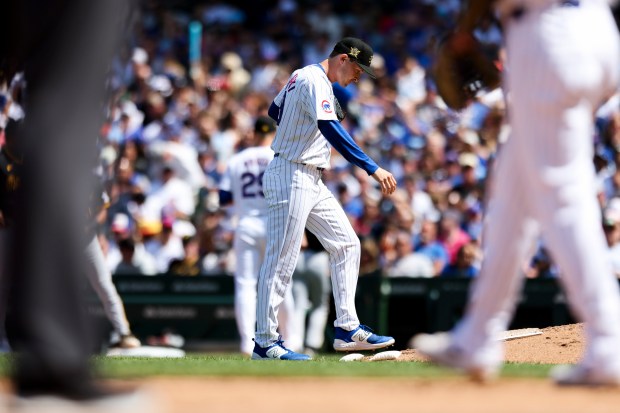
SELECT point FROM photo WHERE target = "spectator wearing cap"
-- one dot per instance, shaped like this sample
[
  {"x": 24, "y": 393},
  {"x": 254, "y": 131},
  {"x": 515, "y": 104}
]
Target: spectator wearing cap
[
  {"x": 189, "y": 264},
  {"x": 171, "y": 193},
  {"x": 473, "y": 222},
  {"x": 120, "y": 228},
  {"x": 340, "y": 177},
  {"x": 164, "y": 244},
  {"x": 155, "y": 108},
  {"x": 465, "y": 265},
  {"x": 352, "y": 205},
  {"x": 411, "y": 80},
  {"x": 541, "y": 265},
  {"x": 134, "y": 151},
  {"x": 181, "y": 157},
  {"x": 128, "y": 264},
  {"x": 406, "y": 261},
  {"x": 226, "y": 136},
  {"x": 125, "y": 123},
  {"x": 451, "y": 234},
  {"x": 123, "y": 172},
  {"x": 420, "y": 202},
  {"x": 452, "y": 168},
  {"x": 216, "y": 240},
  {"x": 426, "y": 243},
  {"x": 123, "y": 234},
  {"x": 131, "y": 201},
  {"x": 370, "y": 219},
  {"x": 470, "y": 186},
  {"x": 467, "y": 140},
  {"x": 236, "y": 77}
]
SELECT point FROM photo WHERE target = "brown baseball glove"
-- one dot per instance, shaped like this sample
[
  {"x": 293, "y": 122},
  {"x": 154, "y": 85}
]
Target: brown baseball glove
[{"x": 462, "y": 69}]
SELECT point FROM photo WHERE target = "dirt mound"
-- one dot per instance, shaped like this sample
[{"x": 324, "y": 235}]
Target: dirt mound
[{"x": 556, "y": 345}]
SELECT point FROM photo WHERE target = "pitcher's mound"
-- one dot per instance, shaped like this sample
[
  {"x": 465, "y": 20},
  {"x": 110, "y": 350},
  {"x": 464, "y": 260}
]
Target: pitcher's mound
[{"x": 556, "y": 345}]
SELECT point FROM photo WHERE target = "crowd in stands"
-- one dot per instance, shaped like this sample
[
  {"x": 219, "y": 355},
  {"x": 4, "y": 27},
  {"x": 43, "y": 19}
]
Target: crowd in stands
[{"x": 173, "y": 124}]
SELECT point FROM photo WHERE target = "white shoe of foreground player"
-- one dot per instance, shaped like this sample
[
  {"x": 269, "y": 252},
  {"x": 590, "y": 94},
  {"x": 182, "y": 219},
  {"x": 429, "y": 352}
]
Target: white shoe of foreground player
[
  {"x": 440, "y": 349},
  {"x": 579, "y": 375}
]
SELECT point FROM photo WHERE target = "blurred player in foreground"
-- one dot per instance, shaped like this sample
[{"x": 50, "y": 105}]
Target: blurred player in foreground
[
  {"x": 563, "y": 62},
  {"x": 65, "y": 48}
]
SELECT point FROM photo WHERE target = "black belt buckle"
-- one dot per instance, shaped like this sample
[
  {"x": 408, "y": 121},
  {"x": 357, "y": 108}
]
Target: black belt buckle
[
  {"x": 275, "y": 155},
  {"x": 317, "y": 168}
]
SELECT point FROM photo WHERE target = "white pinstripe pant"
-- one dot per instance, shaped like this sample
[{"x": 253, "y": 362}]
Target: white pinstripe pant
[
  {"x": 562, "y": 63},
  {"x": 297, "y": 198}
]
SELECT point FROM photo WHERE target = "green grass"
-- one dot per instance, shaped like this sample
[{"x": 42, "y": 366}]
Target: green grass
[{"x": 226, "y": 365}]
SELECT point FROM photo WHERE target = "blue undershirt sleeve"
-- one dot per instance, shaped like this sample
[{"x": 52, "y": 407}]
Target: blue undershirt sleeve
[
  {"x": 273, "y": 111},
  {"x": 344, "y": 143},
  {"x": 225, "y": 197}
]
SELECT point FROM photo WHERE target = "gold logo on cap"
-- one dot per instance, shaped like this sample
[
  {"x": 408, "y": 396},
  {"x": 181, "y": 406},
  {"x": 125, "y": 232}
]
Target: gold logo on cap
[{"x": 354, "y": 52}]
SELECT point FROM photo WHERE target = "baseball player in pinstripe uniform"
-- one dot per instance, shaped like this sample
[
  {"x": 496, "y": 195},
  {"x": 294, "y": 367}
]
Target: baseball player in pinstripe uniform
[
  {"x": 242, "y": 186},
  {"x": 563, "y": 62},
  {"x": 305, "y": 110}
]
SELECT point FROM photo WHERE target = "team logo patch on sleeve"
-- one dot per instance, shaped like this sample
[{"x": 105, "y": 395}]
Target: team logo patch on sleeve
[{"x": 327, "y": 107}]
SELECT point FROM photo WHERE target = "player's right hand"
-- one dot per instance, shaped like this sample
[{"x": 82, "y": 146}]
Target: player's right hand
[{"x": 386, "y": 179}]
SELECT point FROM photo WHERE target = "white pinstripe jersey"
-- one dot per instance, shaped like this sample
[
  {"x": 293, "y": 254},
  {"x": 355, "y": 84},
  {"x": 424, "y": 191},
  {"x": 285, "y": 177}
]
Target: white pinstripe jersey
[
  {"x": 244, "y": 179},
  {"x": 307, "y": 98}
]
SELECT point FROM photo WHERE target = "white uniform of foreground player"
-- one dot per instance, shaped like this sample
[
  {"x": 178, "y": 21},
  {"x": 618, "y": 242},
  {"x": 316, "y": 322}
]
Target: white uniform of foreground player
[
  {"x": 243, "y": 179},
  {"x": 298, "y": 199},
  {"x": 563, "y": 61}
]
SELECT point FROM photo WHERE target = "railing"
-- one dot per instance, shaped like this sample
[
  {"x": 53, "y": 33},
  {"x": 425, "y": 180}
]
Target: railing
[{"x": 201, "y": 309}]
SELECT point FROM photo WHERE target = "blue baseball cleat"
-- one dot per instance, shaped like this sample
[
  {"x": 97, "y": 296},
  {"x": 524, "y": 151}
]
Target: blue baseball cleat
[
  {"x": 362, "y": 338},
  {"x": 277, "y": 351}
]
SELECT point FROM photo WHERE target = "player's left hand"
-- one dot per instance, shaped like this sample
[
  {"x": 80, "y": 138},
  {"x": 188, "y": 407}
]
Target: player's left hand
[{"x": 386, "y": 179}]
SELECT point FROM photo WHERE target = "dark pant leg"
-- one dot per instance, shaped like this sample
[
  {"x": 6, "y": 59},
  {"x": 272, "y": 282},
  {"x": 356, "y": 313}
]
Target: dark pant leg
[{"x": 65, "y": 57}]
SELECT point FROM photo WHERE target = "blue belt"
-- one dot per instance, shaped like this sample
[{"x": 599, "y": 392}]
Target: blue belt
[
  {"x": 520, "y": 11},
  {"x": 304, "y": 164}
]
